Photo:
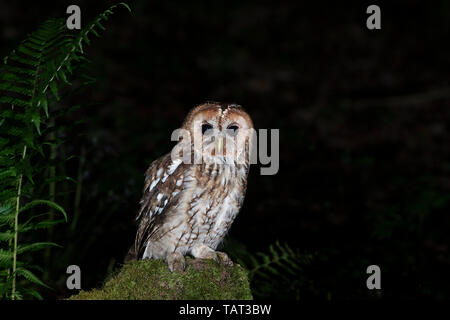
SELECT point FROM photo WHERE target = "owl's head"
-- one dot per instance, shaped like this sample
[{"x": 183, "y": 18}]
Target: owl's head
[{"x": 220, "y": 132}]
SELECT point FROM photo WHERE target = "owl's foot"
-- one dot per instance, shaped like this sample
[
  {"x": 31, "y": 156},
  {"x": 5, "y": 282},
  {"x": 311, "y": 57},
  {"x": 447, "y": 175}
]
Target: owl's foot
[
  {"x": 224, "y": 258},
  {"x": 176, "y": 262},
  {"x": 204, "y": 252}
]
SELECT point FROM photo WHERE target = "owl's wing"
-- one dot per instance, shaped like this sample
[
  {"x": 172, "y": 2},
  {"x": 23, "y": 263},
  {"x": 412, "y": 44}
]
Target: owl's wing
[{"x": 163, "y": 182}]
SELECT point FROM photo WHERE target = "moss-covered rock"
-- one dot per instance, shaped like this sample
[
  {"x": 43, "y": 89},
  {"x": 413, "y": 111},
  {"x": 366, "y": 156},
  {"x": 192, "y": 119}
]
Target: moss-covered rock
[{"x": 152, "y": 280}]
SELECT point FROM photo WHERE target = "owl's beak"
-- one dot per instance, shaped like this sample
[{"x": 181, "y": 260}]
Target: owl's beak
[{"x": 219, "y": 145}]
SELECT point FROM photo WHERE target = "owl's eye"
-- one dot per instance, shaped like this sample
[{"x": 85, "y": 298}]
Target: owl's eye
[
  {"x": 206, "y": 127},
  {"x": 232, "y": 130}
]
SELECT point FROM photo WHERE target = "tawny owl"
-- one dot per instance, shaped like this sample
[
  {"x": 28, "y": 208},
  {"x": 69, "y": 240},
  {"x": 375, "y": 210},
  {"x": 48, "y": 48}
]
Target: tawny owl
[{"x": 192, "y": 195}]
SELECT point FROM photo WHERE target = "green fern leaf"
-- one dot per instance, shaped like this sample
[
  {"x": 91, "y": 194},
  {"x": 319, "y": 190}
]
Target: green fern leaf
[
  {"x": 31, "y": 79},
  {"x": 6, "y": 236},
  {"x": 35, "y": 246},
  {"x": 15, "y": 101},
  {"x": 11, "y": 87},
  {"x": 18, "y": 295},
  {"x": 11, "y": 172},
  {"x": 30, "y": 276},
  {"x": 44, "y": 104},
  {"x": 51, "y": 204},
  {"x": 5, "y": 256}
]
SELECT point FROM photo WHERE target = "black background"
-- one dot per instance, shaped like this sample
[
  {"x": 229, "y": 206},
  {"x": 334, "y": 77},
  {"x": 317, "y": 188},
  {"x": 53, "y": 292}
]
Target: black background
[{"x": 364, "y": 132}]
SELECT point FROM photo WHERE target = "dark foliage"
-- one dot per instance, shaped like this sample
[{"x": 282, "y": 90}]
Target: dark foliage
[{"x": 364, "y": 124}]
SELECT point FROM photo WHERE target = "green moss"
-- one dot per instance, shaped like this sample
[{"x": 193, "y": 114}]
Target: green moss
[{"x": 152, "y": 280}]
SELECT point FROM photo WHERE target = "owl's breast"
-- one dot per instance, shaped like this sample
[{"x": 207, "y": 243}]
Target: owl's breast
[{"x": 215, "y": 198}]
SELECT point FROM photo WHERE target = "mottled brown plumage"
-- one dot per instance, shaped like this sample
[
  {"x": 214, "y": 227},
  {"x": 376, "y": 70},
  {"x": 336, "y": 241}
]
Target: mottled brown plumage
[{"x": 192, "y": 195}]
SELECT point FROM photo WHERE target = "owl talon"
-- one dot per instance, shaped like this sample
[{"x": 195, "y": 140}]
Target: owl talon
[
  {"x": 211, "y": 255},
  {"x": 176, "y": 262},
  {"x": 224, "y": 259},
  {"x": 204, "y": 252}
]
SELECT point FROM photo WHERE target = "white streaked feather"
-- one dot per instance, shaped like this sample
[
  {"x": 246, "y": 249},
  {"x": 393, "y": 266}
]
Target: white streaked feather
[
  {"x": 174, "y": 166},
  {"x": 154, "y": 182}
]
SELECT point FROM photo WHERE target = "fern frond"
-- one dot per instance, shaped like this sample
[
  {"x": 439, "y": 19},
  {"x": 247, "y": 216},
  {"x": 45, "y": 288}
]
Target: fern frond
[
  {"x": 30, "y": 276},
  {"x": 41, "y": 61},
  {"x": 6, "y": 236},
  {"x": 35, "y": 246},
  {"x": 280, "y": 260},
  {"x": 26, "y": 227},
  {"x": 51, "y": 204},
  {"x": 280, "y": 270},
  {"x": 5, "y": 256},
  {"x": 32, "y": 77}
]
